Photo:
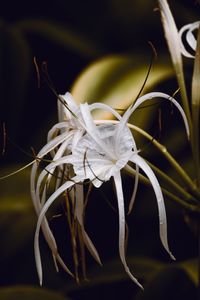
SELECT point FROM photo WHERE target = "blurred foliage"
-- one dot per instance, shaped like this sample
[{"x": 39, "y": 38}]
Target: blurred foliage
[
  {"x": 98, "y": 50},
  {"x": 31, "y": 293},
  {"x": 116, "y": 81},
  {"x": 15, "y": 207}
]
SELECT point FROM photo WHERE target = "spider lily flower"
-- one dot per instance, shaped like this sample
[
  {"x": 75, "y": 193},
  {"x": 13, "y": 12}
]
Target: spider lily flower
[
  {"x": 188, "y": 31},
  {"x": 102, "y": 151}
]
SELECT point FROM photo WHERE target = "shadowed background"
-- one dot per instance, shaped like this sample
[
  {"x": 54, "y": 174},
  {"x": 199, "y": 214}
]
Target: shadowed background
[{"x": 106, "y": 42}]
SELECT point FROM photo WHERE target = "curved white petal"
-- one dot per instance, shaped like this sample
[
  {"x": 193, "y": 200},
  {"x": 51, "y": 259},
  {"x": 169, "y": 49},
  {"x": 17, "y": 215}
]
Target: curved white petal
[
  {"x": 133, "y": 197},
  {"x": 79, "y": 211},
  {"x": 190, "y": 38},
  {"x": 65, "y": 111},
  {"x": 48, "y": 235},
  {"x": 41, "y": 218},
  {"x": 120, "y": 200},
  {"x": 44, "y": 151},
  {"x": 59, "y": 154},
  {"x": 159, "y": 197},
  {"x": 105, "y": 107},
  {"x": 54, "y": 143},
  {"x": 171, "y": 33},
  {"x": 118, "y": 133},
  {"x": 77, "y": 135},
  {"x": 50, "y": 169},
  {"x": 150, "y": 96},
  {"x": 55, "y": 128},
  {"x": 91, "y": 128}
]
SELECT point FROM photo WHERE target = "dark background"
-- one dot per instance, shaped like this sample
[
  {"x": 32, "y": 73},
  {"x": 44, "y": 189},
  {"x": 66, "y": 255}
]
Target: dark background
[{"x": 69, "y": 35}]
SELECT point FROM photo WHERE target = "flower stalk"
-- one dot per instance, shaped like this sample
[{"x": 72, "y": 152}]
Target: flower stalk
[{"x": 196, "y": 108}]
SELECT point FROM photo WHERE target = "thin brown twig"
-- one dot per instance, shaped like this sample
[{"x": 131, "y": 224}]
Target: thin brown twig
[
  {"x": 37, "y": 71},
  {"x": 4, "y": 138}
]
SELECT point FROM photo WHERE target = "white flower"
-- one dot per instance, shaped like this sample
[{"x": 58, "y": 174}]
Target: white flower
[
  {"x": 101, "y": 152},
  {"x": 188, "y": 30}
]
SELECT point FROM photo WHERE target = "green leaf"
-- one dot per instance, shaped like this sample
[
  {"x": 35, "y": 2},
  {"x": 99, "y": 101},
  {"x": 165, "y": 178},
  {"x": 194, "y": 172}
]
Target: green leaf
[
  {"x": 30, "y": 293},
  {"x": 60, "y": 35},
  {"x": 116, "y": 80},
  {"x": 17, "y": 216}
]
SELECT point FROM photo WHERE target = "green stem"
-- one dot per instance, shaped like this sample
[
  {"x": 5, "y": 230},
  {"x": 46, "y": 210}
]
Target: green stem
[
  {"x": 196, "y": 109},
  {"x": 163, "y": 150},
  {"x": 184, "y": 97}
]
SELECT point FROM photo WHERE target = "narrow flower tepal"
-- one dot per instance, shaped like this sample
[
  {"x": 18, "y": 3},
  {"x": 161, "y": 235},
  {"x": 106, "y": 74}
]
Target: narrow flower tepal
[
  {"x": 190, "y": 38},
  {"x": 85, "y": 150}
]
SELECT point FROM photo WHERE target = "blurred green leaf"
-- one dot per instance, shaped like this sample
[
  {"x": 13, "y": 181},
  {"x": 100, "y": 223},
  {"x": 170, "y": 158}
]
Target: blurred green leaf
[
  {"x": 62, "y": 36},
  {"x": 30, "y": 293},
  {"x": 152, "y": 273},
  {"x": 191, "y": 268},
  {"x": 15, "y": 67},
  {"x": 169, "y": 283},
  {"x": 130, "y": 11},
  {"x": 17, "y": 216},
  {"x": 117, "y": 80}
]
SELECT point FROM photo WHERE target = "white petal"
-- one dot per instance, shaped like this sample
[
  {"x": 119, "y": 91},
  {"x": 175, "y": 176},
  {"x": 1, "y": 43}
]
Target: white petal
[
  {"x": 150, "y": 96},
  {"x": 190, "y": 38},
  {"x": 77, "y": 135},
  {"x": 120, "y": 199},
  {"x": 133, "y": 197},
  {"x": 58, "y": 155},
  {"x": 105, "y": 107},
  {"x": 65, "y": 111},
  {"x": 49, "y": 169},
  {"x": 123, "y": 137},
  {"x": 171, "y": 33},
  {"x": 54, "y": 143},
  {"x": 159, "y": 197},
  {"x": 91, "y": 128},
  {"x": 79, "y": 211},
  {"x": 46, "y": 230},
  {"x": 41, "y": 217},
  {"x": 55, "y": 128}
]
